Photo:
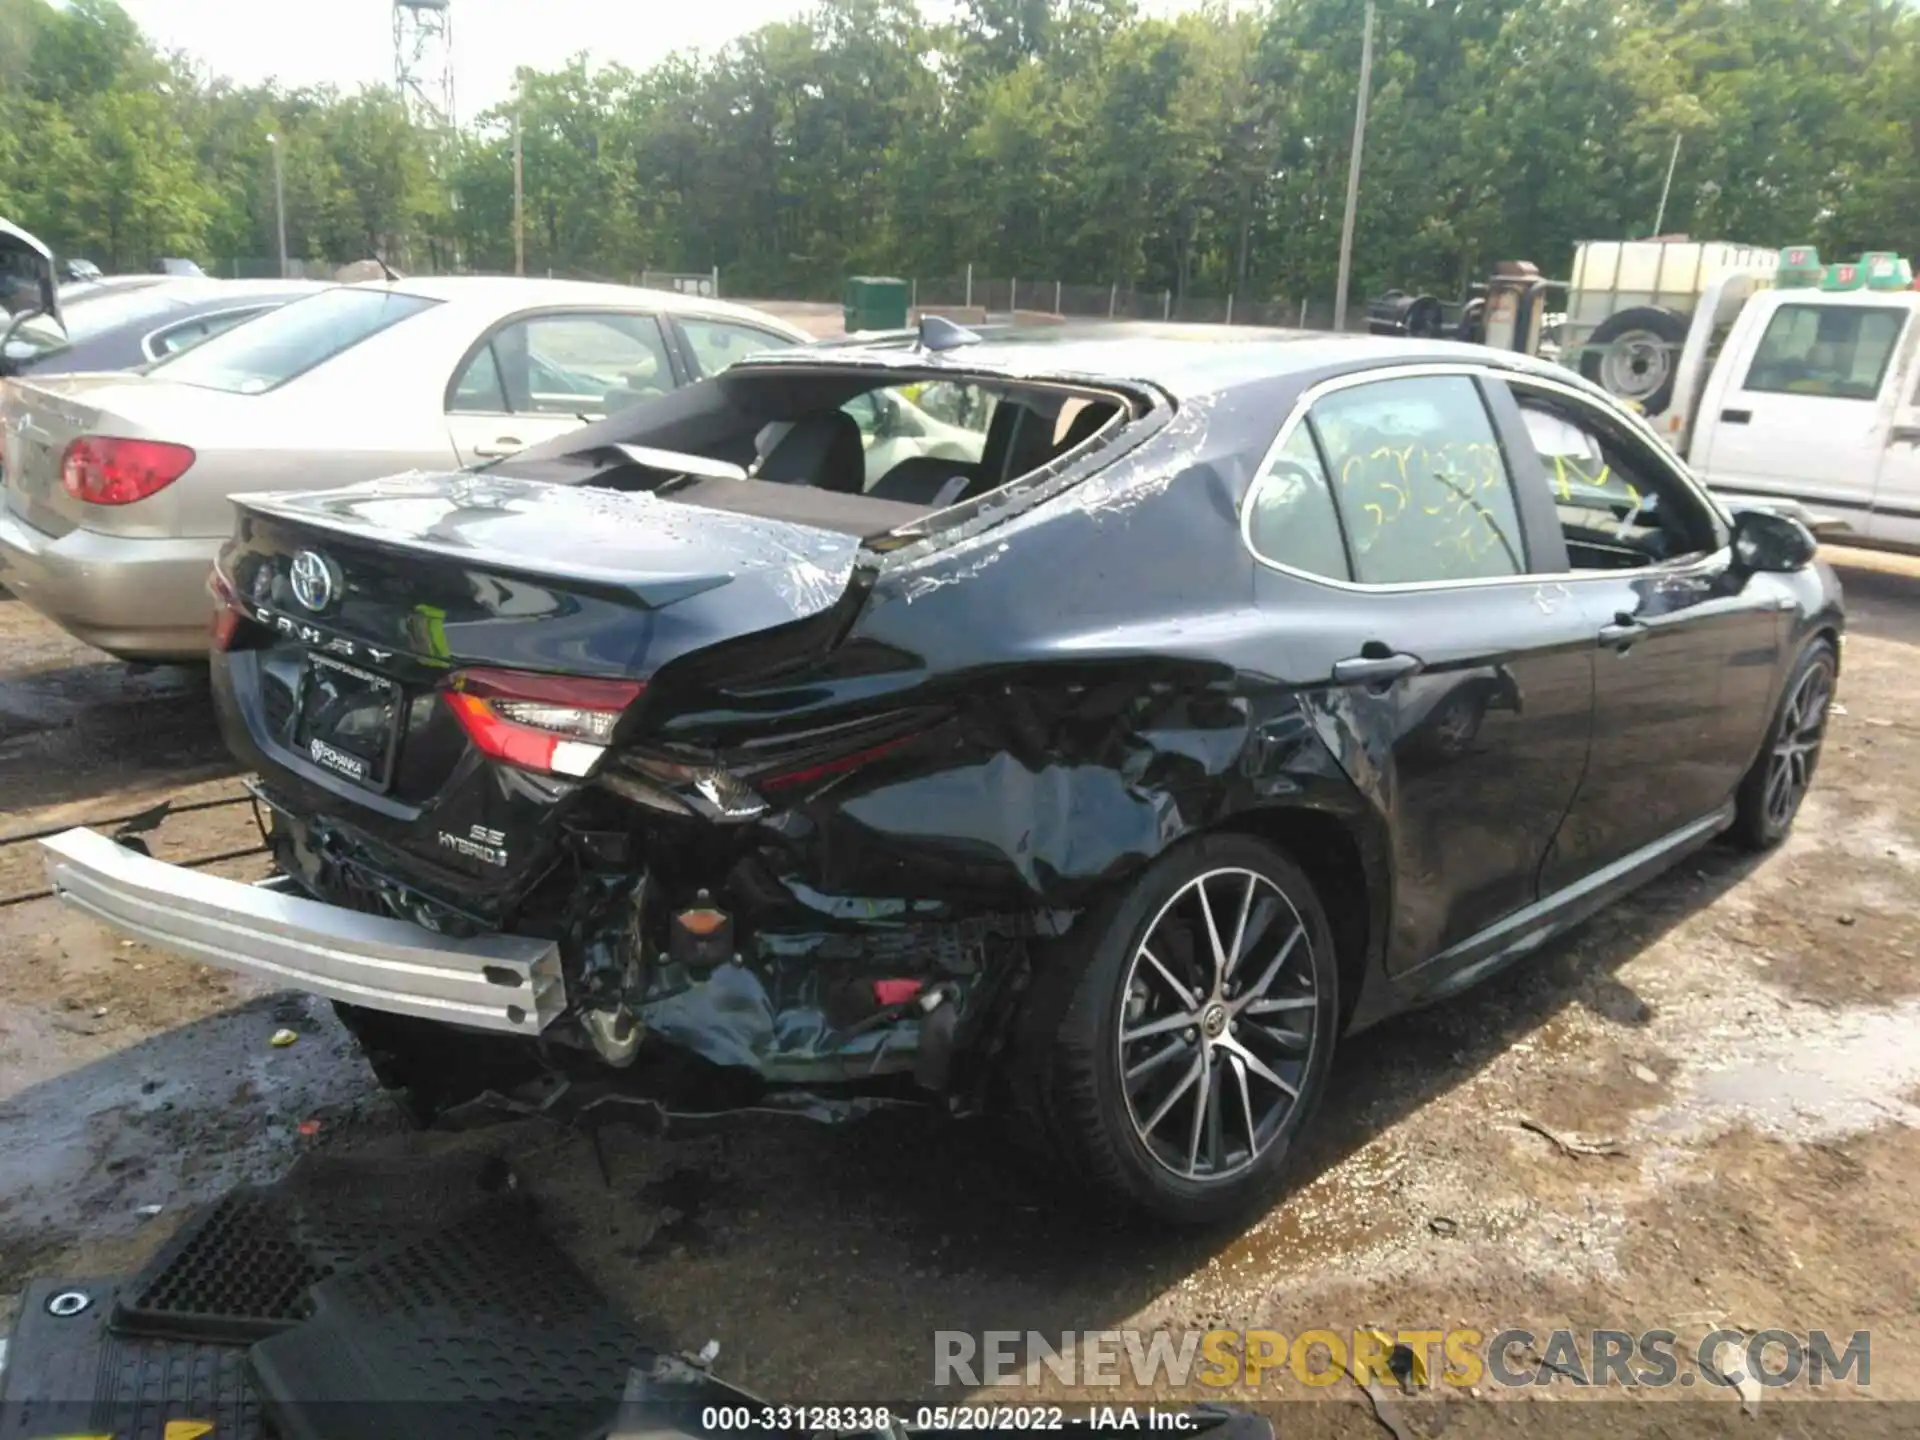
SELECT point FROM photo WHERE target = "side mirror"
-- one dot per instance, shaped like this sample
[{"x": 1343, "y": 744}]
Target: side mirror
[{"x": 1766, "y": 541}]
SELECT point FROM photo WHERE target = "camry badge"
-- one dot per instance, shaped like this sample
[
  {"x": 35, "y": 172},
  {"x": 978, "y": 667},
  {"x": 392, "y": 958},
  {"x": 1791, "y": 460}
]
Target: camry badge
[{"x": 313, "y": 580}]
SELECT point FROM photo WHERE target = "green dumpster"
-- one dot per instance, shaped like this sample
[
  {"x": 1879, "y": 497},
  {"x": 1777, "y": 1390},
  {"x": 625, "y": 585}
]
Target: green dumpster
[{"x": 874, "y": 302}]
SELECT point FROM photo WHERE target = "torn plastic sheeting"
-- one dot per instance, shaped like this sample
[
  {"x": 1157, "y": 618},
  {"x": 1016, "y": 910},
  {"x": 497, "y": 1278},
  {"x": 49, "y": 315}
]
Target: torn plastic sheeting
[
  {"x": 730, "y": 1019},
  {"x": 957, "y": 572},
  {"x": 807, "y": 588},
  {"x": 1024, "y": 495},
  {"x": 1180, "y": 447},
  {"x": 1189, "y": 448}
]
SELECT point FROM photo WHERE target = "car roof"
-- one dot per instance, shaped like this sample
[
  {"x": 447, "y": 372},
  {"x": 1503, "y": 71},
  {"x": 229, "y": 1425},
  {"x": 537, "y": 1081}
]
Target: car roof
[
  {"x": 212, "y": 294},
  {"x": 195, "y": 289},
  {"x": 508, "y": 292},
  {"x": 1185, "y": 361}
]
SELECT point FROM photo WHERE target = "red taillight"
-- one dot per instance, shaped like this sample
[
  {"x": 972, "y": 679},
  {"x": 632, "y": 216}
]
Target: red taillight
[
  {"x": 889, "y": 993},
  {"x": 226, "y": 611},
  {"x": 556, "y": 724},
  {"x": 107, "y": 470}
]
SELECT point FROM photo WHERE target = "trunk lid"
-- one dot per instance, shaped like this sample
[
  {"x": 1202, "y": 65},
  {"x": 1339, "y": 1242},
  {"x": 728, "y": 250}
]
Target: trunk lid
[
  {"x": 37, "y": 423},
  {"x": 376, "y": 597},
  {"x": 39, "y": 419}
]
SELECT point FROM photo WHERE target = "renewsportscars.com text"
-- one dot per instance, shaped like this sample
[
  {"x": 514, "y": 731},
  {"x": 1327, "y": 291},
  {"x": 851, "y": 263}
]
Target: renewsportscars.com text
[{"x": 1462, "y": 1358}]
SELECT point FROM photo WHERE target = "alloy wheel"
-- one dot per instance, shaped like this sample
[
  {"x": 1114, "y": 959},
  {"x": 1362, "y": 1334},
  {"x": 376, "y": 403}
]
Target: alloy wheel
[
  {"x": 1796, "y": 747},
  {"x": 1218, "y": 1024}
]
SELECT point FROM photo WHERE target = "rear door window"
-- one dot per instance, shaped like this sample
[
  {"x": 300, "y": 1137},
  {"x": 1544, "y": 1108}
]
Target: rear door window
[
  {"x": 716, "y": 344},
  {"x": 1291, "y": 518},
  {"x": 276, "y": 348},
  {"x": 1839, "y": 352},
  {"x": 583, "y": 364},
  {"x": 1420, "y": 481}
]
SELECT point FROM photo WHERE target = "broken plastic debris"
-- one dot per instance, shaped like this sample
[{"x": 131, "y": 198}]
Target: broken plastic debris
[
  {"x": 1384, "y": 1409},
  {"x": 1642, "y": 1074},
  {"x": 709, "y": 1352},
  {"x": 1569, "y": 1144},
  {"x": 283, "y": 1038},
  {"x": 147, "y": 1212},
  {"x": 1738, "y": 1375},
  {"x": 308, "y": 1128},
  {"x": 1444, "y": 1225}
]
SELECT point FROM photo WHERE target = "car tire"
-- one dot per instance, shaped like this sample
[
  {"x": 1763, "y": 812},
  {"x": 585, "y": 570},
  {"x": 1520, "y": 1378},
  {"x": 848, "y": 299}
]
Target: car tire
[
  {"x": 1635, "y": 355},
  {"x": 1764, "y": 812},
  {"x": 1133, "y": 1147}
]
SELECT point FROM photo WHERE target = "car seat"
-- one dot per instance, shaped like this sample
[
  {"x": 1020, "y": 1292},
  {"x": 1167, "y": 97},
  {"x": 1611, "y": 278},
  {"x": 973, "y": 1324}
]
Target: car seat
[{"x": 824, "y": 451}]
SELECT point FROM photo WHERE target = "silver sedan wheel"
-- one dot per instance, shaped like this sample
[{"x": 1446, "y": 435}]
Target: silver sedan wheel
[
  {"x": 1218, "y": 1024},
  {"x": 1797, "y": 745}
]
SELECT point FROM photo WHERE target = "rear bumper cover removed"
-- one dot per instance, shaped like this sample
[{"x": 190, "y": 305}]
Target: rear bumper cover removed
[{"x": 507, "y": 983}]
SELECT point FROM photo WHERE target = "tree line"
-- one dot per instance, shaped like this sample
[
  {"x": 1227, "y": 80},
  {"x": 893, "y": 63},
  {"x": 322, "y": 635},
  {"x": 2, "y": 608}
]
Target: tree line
[{"x": 1205, "y": 153}]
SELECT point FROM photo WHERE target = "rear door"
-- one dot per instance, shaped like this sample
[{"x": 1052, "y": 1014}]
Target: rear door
[
  {"x": 1686, "y": 657},
  {"x": 536, "y": 377},
  {"x": 1466, "y": 680},
  {"x": 1800, "y": 413}
]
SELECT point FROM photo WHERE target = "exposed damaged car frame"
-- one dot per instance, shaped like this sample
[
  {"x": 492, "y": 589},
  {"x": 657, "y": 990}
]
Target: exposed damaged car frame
[{"x": 1240, "y": 692}]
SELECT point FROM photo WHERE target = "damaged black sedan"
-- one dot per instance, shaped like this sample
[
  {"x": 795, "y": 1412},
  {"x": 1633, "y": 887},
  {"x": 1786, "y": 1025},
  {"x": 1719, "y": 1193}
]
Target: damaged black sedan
[{"x": 1089, "y": 727}]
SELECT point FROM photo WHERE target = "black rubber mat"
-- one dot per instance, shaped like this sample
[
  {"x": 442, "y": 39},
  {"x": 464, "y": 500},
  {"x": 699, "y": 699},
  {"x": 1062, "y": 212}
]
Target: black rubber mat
[
  {"x": 69, "y": 1375},
  {"x": 485, "y": 1328},
  {"x": 242, "y": 1268}
]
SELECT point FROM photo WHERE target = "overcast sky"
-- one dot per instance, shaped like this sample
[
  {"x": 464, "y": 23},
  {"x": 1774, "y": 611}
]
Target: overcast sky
[{"x": 349, "y": 42}]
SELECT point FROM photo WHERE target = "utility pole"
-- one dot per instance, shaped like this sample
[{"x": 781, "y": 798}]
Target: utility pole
[
  {"x": 1353, "y": 172},
  {"x": 279, "y": 201},
  {"x": 519, "y": 216},
  {"x": 1660, "y": 216}
]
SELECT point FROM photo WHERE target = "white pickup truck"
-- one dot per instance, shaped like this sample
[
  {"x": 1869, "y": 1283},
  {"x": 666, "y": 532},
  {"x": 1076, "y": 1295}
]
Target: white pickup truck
[{"x": 1801, "y": 392}]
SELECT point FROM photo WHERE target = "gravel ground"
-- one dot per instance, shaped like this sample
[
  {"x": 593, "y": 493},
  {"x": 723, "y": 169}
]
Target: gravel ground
[{"x": 1739, "y": 1039}]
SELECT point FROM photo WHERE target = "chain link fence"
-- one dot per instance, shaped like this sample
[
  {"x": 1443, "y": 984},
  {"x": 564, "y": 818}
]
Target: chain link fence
[
  {"x": 973, "y": 294},
  {"x": 999, "y": 297}
]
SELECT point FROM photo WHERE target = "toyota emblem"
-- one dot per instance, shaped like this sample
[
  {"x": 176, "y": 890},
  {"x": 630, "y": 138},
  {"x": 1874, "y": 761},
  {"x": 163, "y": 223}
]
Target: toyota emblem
[{"x": 314, "y": 581}]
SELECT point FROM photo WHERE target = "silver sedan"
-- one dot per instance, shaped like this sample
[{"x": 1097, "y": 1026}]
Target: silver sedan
[{"x": 115, "y": 486}]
